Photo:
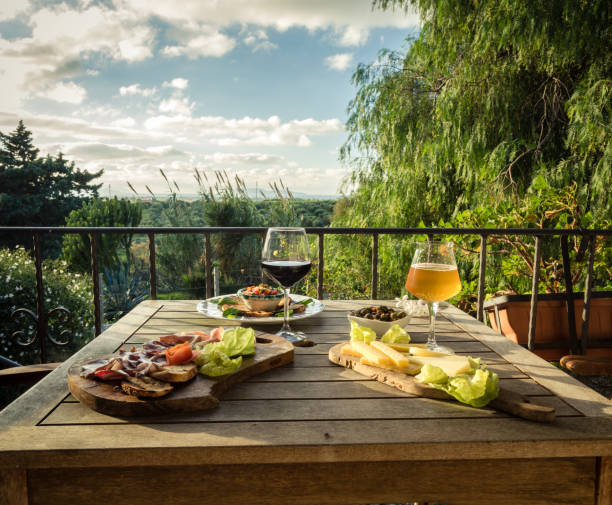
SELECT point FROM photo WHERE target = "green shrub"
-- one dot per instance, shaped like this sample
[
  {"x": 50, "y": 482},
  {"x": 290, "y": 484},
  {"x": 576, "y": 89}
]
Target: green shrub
[{"x": 61, "y": 288}]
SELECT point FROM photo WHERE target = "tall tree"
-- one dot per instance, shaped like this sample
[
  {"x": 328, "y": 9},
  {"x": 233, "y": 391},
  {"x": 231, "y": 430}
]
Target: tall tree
[
  {"x": 38, "y": 191},
  {"x": 493, "y": 104},
  {"x": 489, "y": 96}
]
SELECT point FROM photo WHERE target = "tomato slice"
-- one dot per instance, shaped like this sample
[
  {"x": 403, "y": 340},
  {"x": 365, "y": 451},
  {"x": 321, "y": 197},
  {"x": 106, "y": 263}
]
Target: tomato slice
[{"x": 179, "y": 354}]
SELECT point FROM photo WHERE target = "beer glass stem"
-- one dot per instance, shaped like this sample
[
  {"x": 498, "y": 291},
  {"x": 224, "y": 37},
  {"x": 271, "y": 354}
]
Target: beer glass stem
[{"x": 433, "y": 311}]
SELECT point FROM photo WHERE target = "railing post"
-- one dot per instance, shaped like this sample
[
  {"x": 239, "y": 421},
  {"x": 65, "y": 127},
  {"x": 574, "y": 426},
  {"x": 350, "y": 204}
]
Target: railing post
[
  {"x": 569, "y": 296},
  {"x": 208, "y": 265},
  {"x": 588, "y": 287},
  {"x": 41, "y": 313},
  {"x": 374, "y": 266},
  {"x": 534, "y": 292},
  {"x": 481, "y": 277},
  {"x": 96, "y": 283},
  {"x": 152, "y": 272},
  {"x": 320, "y": 266}
]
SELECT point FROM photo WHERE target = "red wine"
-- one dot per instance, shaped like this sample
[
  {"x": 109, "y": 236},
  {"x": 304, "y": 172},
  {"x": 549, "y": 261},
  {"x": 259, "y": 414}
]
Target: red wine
[{"x": 286, "y": 273}]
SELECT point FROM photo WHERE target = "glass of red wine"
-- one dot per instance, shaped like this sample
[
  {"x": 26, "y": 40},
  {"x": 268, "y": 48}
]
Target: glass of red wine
[{"x": 285, "y": 259}]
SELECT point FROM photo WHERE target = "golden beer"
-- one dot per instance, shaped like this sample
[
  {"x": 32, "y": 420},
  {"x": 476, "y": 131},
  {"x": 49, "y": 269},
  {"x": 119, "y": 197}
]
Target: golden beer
[{"x": 433, "y": 282}]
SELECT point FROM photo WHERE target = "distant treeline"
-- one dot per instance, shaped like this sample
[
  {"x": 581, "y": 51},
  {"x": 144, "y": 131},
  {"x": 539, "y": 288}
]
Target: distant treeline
[{"x": 309, "y": 212}]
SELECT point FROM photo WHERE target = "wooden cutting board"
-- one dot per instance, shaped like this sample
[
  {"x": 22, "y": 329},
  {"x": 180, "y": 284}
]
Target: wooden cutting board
[
  {"x": 507, "y": 401},
  {"x": 200, "y": 393}
]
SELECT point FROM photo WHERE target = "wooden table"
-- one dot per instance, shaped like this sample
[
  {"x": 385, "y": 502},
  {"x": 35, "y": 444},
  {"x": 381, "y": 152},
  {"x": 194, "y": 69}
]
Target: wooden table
[{"x": 312, "y": 433}]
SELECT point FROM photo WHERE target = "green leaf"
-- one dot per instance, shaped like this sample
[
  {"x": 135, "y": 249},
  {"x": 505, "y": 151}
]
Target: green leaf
[
  {"x": 362, "y": 333},
  {"x": 232, "y": 312},
  {"x": 226, "y": 300},
  {"x": 396, "y": 335}
]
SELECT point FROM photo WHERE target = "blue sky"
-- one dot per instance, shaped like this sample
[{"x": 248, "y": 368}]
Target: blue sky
[{"x": 258, "y": 88}]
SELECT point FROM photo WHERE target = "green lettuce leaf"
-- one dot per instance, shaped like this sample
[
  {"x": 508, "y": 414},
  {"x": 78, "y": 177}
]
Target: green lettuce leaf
[
  {"x": 432, "y": 374},
  {"x": 216, "y": 363},
  {"x": 395, "y": 335},
  {"x": 238, "y": 341},
  {"x": 215, "y": 358},
  {"x": 362, "y": 333},
  {"x": 476, "y": 388}
]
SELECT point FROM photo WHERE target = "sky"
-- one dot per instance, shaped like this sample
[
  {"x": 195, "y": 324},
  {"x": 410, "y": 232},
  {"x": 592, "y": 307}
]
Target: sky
[{"x": 258, "y": 88}]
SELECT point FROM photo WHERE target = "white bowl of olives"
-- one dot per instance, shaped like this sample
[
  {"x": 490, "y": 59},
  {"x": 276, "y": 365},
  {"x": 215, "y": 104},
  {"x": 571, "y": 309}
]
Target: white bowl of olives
[{"x": 379, "y": 318}]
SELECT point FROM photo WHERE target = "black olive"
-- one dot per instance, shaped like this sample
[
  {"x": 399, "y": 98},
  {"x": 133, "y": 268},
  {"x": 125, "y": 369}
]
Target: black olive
[{"x": 401, "y": 315}]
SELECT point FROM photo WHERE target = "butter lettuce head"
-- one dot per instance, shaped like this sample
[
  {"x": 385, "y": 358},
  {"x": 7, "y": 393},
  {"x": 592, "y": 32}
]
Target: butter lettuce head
[
  {"x": 395, "y": 335},
  {"x": 215, "y": 358},
  {"x": 239, "y": 341},
  {"x": 362, "y": 333},
  {"x": 476, "y": 388}
]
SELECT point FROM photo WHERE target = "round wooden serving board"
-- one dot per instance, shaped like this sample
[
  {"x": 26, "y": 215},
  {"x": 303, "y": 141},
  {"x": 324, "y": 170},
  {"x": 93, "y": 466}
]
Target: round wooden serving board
[
  {"x": 507, "y": 401},
  {"x": 200, "y": 393}
]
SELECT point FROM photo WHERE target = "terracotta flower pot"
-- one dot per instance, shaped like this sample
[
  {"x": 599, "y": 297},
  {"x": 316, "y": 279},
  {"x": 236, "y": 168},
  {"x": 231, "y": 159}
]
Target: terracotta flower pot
[{"x": 551, "y": 322}]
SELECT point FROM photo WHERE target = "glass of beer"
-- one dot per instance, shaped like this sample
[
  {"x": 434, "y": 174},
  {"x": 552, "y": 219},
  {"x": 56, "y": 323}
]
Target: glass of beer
[{"x": 433, "y": 277}]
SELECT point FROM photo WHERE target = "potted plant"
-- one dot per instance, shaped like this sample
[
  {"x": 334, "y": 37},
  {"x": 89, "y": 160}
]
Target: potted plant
[{"x": 510, "y": 270}]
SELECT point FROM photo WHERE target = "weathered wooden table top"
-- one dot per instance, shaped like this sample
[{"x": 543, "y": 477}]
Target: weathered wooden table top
[{"x": 312, "y": 431}]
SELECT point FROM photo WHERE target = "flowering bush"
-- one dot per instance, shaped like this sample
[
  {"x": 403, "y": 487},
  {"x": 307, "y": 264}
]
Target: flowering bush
[{"x": 61, "y": 288}]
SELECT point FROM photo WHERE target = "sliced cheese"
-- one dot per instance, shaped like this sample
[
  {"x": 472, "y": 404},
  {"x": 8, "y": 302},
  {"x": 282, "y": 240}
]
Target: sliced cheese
[
  {"x": 348, "y": 349},
  {"x": 404, "y": 347},
  {"x": 410, "y": 368},
  {"x": 373, "y": 355},
  {"x": 420, "y": 351},
  {"x": 451, "y": 365},
  {"x": 400, "y": 360}
]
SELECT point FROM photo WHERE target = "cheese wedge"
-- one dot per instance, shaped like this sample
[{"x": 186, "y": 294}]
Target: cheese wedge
[
  {"x": 420, "y": 351},
  {"x": 405, "y": 347},
  {"x": 451, "y": 365},
  {"x": 398, "y": 359},
  {"x": 348, "y": 349},
  {"x": 410, "y": 369},
  {"x": 374, "y": 356}
]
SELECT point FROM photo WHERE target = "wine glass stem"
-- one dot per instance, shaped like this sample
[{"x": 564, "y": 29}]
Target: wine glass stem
[
  {"x": 433, "y": 311},
  {"x": 286, "y": 310}
]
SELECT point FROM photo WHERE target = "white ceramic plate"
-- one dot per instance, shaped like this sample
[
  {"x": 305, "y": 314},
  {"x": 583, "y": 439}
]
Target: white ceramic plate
[{"x": 211, "y": 309}]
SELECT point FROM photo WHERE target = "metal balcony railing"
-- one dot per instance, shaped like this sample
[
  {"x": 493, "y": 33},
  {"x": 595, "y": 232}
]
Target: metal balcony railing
[{"x": 41, "y": 316}]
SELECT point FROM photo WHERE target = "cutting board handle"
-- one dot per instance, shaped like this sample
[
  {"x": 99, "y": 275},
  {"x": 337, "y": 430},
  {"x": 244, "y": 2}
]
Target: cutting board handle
[{"x": 520, "y": 406}]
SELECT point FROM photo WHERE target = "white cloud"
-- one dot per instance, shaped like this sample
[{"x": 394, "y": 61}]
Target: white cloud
[
  {"x": 354, "y": 36},
  {"x": 176, "y": 106},
  {"x": 177, "y": 83},
  {"x": 135, "y": 89},
  {"x": 282, "y": 15},
  {"x": 195, "y": 40},
  {"x": 118, "y": 34},
  {"x": 339, "y": 61},
  {"x": 68, "y": 92},
  {"x": 228, "y": 132},
  {"x": 259, "y": 41},
  {"x": 126, "y": 122},
  {"x": 10, "y": 8}
]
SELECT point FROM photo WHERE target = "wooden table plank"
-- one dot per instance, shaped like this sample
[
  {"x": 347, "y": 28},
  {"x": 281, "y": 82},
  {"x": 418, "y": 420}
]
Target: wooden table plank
[
  {"x": 565, "y": 482},
  {"x": 301, "y": 441}
]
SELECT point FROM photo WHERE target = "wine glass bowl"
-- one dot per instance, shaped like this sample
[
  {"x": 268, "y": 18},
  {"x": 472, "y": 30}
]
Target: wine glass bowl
[
  {"x": 285, "y": 259},
  {"x": 433, "y": 277}
]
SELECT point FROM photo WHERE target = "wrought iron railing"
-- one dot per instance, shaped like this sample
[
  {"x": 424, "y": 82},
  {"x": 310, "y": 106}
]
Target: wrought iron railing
[{"x": 41, "y": 316}]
